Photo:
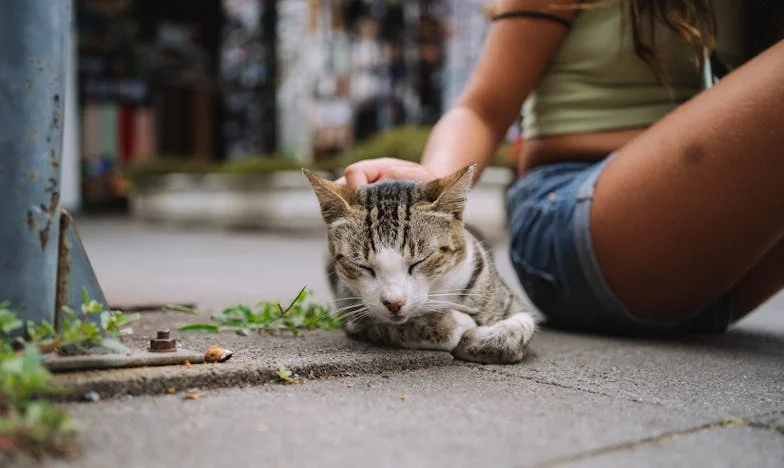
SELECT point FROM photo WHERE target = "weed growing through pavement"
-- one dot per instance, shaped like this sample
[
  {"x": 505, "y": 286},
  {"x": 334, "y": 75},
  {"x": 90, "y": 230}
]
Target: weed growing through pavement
[
  {"x": 286, "y": 376},
  {"x": 28, "y": 422},
  {"x": 271, "y": 316}
]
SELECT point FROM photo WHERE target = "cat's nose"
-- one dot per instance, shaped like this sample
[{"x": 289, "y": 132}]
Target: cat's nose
[{"x": 393, "y": 305}]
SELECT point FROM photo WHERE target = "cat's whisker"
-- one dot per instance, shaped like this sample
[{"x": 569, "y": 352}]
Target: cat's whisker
[
  {"x": 349, "y": 308},
  {"x": 451, "y": 290},
  {"x": 357, "y": 314},
  {"x": 448, "y": 304},
  {"x": 459, "y": 295},
  {"x": 342, "y": 299},
  {"x": 435, "y": 301},
  {"x": 455, "y": 291},
  {"x": 442, "y": 301}
]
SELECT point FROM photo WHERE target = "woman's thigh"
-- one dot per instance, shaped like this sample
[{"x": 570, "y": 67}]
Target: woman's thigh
[{"x": 686, "y": 210}]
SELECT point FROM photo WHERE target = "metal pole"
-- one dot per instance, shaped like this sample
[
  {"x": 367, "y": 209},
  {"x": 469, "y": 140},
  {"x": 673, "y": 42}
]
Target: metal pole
[
  {"x": 43, "y": 264},
  {"x": 34, "y": 42}
]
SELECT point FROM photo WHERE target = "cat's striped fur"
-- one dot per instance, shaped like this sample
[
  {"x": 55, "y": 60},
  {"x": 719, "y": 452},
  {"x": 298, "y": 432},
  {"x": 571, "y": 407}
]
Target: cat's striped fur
[{"x": 405, "y": 272}]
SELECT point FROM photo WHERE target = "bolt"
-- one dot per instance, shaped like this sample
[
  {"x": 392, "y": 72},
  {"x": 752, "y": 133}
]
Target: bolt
[{"x": 163, "y": 342}]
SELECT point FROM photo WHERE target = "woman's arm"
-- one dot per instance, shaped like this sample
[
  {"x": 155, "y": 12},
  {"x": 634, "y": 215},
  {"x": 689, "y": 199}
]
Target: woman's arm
[{"x": 516, "y": 53}]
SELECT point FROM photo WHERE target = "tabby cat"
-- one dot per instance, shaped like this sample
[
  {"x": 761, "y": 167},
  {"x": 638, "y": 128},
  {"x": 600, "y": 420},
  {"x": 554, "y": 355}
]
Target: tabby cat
[{"x": 406, "y": 272}]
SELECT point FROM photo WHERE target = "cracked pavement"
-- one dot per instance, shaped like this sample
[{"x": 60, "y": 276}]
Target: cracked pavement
[{"x": 577, "y": 401}]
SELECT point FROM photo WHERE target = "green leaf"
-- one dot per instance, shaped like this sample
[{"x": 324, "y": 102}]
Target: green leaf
[
  {"x": 200, "y": 327},
  {"x": 284, "y": 374},
  {"x": 113, "y": 344},
  {"x": 297, "y": 300},
  {"x": 117, "y": 320},
  {"x": 92, "y": 307},
  {"x": 733, "y": 422},
  {"x": 106, "y": 319},
  {"x": 31, "y": 359},
  {"x": 125, "y": 319},
  {"x": 8, "y": 320},
  {"x": 14, "y": 365},
  {"x": 266, "y": 314}
]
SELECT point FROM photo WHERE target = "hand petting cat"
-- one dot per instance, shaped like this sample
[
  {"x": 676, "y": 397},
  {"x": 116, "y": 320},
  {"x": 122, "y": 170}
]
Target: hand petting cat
[{"x": 376, "y": 170}]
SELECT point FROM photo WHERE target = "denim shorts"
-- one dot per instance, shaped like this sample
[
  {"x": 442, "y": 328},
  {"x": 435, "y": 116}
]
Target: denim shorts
[{"x": 552, "y": 253}]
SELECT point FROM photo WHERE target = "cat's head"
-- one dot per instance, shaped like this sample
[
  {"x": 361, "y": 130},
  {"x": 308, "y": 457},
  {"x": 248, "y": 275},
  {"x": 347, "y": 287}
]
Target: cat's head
[{"x": 392, "y": 242}]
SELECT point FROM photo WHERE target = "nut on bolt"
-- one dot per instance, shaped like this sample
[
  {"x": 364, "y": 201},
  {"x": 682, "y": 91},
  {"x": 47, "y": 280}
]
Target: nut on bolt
[{"x": 163, "y": 342}]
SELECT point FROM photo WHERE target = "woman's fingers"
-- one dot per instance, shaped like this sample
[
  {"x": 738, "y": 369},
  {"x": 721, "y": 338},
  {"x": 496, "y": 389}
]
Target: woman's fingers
[
  {"x": 374, "y": 170},
  {"x": 407, "y": 173}
]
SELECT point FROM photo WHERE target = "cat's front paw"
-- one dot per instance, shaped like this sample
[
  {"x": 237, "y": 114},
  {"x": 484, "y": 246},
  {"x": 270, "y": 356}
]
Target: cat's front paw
[
  {"x": 501, "y": 343},
  {"x": 436, "y": 331},
  {"x": 460, "y": 323}
]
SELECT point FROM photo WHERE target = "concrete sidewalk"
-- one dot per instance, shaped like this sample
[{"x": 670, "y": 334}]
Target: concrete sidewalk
[{"x": 577, "y": 401}]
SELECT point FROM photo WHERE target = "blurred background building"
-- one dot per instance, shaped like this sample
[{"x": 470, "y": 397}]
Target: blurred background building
[{"x": 210, "y": 81}]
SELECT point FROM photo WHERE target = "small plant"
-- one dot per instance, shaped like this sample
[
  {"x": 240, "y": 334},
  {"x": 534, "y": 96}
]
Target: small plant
[
  {"x": 286, "y": 376},
  {"x": 78, "y": 334},
  {"x": 29, "y": 423},
  {"x": 270, "y": 316},
  {"x": 26, "y": 423}
]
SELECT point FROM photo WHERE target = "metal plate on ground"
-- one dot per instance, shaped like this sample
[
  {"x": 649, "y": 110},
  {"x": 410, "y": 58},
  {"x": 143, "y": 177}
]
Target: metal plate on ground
[{"x": 132, "y": 358}]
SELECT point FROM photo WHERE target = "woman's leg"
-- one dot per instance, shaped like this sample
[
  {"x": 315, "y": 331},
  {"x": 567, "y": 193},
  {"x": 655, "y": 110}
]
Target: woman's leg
[
  {"x": 764, "y": 280},
  {"x": 695, "y": 205}
]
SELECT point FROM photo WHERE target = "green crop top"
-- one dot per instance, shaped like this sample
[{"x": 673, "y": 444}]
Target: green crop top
[{"x": 595, "y": 81}]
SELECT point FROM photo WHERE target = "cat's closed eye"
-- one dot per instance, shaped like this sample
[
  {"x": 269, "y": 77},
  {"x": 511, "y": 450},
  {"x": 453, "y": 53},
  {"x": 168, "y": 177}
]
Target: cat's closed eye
[
  {"x": 416, "y": 264},
  {"x": 444, "y": 249},
  {"x": 365, "y": 268}
]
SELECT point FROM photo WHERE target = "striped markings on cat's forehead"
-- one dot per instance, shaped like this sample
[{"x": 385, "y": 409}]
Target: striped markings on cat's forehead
[
  {"x": 388, "y": 213},
  {"x": 390, "y": 261}
]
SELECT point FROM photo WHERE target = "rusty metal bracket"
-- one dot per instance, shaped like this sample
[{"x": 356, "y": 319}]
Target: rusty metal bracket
[{"x": 74, "y": 271}]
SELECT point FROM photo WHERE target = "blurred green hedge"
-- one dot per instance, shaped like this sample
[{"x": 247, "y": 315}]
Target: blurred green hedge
[
  {"x": 170, "y": 165},
  {"x": 402, "y": 142}
]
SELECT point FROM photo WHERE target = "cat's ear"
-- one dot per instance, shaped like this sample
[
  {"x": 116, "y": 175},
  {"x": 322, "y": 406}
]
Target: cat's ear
[
  {"x": 335, "y": 200},
  {"x": 449, "y": 193}
]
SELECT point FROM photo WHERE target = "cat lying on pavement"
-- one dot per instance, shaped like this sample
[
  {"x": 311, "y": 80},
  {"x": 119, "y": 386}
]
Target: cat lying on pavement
[{"x": 406, "y": 272}]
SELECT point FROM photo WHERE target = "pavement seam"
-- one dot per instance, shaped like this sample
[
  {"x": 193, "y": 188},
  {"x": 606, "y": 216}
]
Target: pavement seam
[
  {"x": 567, "y": 387},
  {"x": 722, "y": 424},
  {"x": 238, "y": 378}
]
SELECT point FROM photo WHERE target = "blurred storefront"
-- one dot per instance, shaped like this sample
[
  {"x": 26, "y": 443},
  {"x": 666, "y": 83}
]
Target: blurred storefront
[
  {"x": 171, "y": 79},
  {"x": 365, "y": 66},
  {"x": 361, "y": 67},
  {"x": 215, "y": 80}
]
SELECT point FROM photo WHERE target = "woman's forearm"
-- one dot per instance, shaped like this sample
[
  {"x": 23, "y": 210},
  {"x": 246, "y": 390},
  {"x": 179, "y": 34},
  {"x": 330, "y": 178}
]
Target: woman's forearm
[{"x": 460, "y": 138}]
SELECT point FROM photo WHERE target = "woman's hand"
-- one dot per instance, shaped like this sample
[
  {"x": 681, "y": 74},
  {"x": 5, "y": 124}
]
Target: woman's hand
[{"x": 376, "y": 170}]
